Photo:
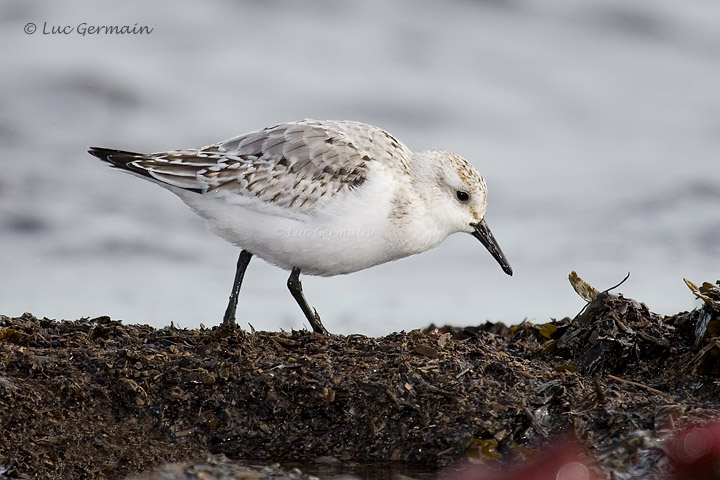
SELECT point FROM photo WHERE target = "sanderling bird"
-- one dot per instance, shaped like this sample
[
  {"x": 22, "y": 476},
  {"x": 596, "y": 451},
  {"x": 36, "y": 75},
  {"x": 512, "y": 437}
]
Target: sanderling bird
[{"x": 320, "y": 197}]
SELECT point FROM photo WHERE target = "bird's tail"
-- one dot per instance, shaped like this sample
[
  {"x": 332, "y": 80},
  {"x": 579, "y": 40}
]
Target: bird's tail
[
  {"x": 116, "y": 158},
  {"x": 151, "y": 166}
]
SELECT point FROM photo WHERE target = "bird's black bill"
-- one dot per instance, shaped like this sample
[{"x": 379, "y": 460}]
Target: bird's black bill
[{"x": 482, "y": 232}]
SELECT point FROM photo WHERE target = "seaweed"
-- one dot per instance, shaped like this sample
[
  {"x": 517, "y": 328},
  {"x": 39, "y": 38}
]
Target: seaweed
[{"x": 95, "y": 398}]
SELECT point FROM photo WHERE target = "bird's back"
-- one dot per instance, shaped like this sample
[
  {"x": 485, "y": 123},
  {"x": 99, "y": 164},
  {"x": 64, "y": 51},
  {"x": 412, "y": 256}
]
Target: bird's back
[{"x": 291, "y": 166}]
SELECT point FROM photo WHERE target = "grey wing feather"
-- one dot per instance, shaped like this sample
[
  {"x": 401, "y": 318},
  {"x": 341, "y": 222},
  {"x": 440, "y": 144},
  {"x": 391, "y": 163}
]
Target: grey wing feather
[{"x": 291, "y": 165}]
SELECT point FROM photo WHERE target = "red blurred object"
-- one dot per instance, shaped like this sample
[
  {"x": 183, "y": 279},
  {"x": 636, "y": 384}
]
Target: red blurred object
[
  {"x": 695, "y": 453},
  {"x": 562, "y": 461}
]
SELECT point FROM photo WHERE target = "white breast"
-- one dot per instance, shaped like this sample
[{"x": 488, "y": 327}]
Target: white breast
[{"x": 347, "y": 234}]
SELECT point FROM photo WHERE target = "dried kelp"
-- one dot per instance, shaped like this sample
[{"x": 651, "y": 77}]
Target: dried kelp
[{"x": 97, "y": 398}]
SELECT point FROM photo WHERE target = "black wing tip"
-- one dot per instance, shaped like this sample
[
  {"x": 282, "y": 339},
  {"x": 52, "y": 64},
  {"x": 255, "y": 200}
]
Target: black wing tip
[
  {"x": 99, "y": 152},
  {"x": 117, "y": 158}
]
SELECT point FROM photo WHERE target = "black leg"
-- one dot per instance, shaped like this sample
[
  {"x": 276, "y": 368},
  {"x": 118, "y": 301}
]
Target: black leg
[
  {"x": 311, "y": 314},
  {"x": 242, "y": 263}
]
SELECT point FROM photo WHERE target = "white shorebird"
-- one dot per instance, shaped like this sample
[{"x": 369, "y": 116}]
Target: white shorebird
[{"x": 320, "y": 197}]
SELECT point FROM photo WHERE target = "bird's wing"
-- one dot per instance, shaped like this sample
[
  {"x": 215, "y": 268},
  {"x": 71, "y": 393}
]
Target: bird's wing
[{"x": 290, "y": 165}]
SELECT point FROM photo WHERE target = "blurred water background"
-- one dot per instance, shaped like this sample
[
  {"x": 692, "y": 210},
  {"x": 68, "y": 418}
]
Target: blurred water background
[{"x": 596, "y": 125}]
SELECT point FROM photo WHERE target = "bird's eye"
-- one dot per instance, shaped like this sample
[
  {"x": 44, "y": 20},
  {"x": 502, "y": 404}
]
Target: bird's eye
[{"x": 462, "y": 196}]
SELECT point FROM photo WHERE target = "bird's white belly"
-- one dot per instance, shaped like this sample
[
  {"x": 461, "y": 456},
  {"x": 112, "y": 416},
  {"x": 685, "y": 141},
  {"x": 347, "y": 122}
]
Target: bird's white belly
[{"x": 351, "y": 234}]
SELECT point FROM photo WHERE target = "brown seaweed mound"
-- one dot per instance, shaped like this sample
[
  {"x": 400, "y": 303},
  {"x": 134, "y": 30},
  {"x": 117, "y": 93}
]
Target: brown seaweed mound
[{"x": 94, "y": 398}]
